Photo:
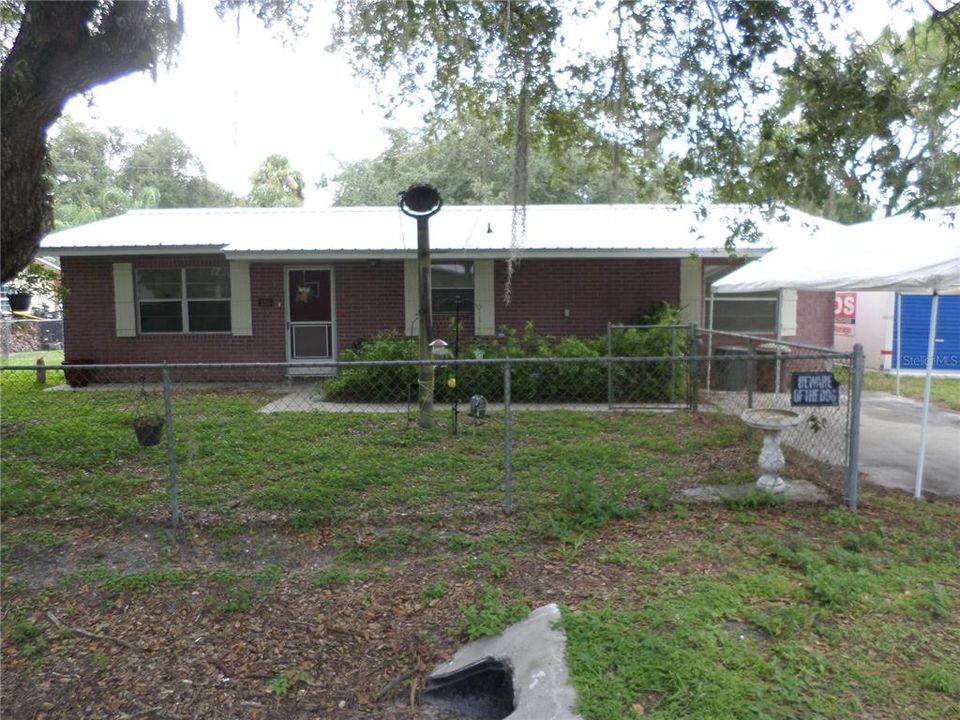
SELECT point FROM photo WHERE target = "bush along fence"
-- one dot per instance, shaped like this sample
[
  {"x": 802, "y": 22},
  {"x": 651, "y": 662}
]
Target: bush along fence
[{"x": 618, "y": 430}]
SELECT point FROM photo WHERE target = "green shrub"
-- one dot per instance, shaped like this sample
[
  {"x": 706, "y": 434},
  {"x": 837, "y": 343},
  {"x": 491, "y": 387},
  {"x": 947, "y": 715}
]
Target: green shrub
[
  {"x": 387, "y": 383},
  {"x": 530, "y": 382},
  {"x": 651, "y": 381}
]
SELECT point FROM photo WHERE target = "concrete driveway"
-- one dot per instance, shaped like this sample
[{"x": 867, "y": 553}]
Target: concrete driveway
[{"x": 890, "y": 441}]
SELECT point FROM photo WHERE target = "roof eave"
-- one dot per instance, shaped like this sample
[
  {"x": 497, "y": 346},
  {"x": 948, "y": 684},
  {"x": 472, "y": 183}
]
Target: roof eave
[
  {"x": 274, "y": 255},
  {"x": 101, "y": 251},
  {"x": 481, "y": 254}
]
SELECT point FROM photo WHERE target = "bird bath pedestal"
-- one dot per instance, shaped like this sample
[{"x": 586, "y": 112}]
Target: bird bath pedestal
[{"x": 771, "y": 461}]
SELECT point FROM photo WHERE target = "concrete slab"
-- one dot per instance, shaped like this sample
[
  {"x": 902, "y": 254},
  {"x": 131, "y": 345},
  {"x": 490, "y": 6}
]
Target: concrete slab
[
  {"x": 534, "y": 648},
  {"x": 307, "y": 400},
  {"x": 890, "y": 443},
  {"x": 795, "y": 491}
]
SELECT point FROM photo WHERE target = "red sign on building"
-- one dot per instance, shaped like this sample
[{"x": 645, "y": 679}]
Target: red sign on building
[{"x": 845, "y": 313}]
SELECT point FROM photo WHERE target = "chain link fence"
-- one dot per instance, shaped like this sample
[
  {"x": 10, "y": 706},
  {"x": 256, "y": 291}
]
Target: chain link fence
[
  {"x": 746, "y": 372},
  {"x": 20, "y": 337},
  {"x": 593, "y": 437}
]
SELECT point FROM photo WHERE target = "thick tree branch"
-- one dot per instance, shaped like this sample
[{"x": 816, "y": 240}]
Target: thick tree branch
[{"x": 62, "y": 49}]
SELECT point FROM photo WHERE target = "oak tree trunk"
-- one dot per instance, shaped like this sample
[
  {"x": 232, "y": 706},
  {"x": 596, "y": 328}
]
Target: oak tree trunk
[{"x": 62, "y": 49}]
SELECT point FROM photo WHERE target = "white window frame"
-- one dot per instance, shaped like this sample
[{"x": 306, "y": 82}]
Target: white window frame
[
  {"x": 184, "y": 301},
  {"x": 709, "y": 299},
  {"x": 471, "y": 274}
]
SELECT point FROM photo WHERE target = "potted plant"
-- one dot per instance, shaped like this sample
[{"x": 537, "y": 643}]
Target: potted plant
[
  {"x": 149, "y": 429},
  {"x": 75, "y": 374},
  {"x": 36, "y": 280}
]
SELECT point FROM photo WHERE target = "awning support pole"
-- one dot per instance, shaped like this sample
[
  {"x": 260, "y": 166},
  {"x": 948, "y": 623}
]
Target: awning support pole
[{"x": 931, "y": 343}]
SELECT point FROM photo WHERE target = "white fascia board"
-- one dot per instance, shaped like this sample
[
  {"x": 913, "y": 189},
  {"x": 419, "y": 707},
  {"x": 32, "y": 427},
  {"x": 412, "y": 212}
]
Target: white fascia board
[
  {"x": 468, "y": 254},
  {"x": 138, "y": 250},
  {"x": 331, "y": 255}
]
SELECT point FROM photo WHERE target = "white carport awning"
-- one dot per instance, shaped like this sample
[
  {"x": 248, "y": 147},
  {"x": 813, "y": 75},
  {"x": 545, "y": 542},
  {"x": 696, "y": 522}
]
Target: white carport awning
[{"x": 900, "y": 253}]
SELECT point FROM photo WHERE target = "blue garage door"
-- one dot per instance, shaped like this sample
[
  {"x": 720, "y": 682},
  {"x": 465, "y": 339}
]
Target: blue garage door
[{"x": 916, "y": 328}]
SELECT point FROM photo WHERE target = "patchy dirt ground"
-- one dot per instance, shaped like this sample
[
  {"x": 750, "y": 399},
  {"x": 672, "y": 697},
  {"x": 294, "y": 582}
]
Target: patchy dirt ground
[
  {"x": 353, "y": 650},
  {"x": 184, "y": 646}
]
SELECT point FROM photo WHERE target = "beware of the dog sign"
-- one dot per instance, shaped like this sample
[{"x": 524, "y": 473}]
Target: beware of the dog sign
[{"x": 814, "y": 389}]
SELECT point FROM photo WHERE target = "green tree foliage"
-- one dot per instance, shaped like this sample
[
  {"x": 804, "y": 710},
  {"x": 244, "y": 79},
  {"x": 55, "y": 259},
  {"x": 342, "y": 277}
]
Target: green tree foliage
[
  {"x": 83, "y": 181},
  {"x": 158, "y": 171},
  {"x": 897, "y": 151},
  {"x": 694, "y": 79},
  {"x": 471, "y": 162},
  {"x": 161, "y": 171},
  {"x": 276, "y": 184}
]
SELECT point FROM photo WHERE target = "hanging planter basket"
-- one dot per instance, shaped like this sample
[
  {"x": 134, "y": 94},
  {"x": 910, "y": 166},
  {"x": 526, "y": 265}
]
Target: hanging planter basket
[
  {"x": 147, "y": 425},
  {"x": 20, "y": 302},
  {"x": 149, "y": 429}
]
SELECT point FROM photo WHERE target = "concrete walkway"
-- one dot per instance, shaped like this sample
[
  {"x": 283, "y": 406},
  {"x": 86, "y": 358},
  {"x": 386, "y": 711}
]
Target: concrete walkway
[
  {"x": 307, "y": 400},
  {"x": 890, "y": 441}
]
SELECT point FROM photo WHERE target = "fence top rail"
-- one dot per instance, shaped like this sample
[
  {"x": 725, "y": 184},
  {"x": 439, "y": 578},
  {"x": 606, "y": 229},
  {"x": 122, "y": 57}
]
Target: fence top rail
[
  {"x": 604, "y": 360},
  {"x": 624, "y": 326},
  {"x": 11, "y": 320},
  {"x": 774, "y": 341}
]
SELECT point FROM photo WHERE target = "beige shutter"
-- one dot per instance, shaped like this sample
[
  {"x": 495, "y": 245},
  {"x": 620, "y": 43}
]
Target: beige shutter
[
  {"x": 483, "y": 298},
  {"x": 124, "y": 304},
  {"x": 411, "y": 297},
  {"x": 691, "y": 290},
  {"x": 788, "y": 313},
  {"x": 241, "y": 315}
]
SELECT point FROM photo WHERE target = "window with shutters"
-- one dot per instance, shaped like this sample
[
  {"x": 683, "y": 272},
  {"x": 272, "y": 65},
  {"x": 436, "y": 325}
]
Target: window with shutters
[{"x": 183, "y": 300}]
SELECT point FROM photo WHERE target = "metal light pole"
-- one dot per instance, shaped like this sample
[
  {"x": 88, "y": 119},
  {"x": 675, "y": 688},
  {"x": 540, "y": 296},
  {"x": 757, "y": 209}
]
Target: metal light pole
[
  {"x": 456, "y": 368},
  {"x": 421, "y": 202}
]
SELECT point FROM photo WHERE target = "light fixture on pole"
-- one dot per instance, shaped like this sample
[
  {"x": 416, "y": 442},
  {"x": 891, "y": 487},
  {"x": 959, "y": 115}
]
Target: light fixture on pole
[
  {"x": 422, "y": 202},
  {"x": 438, "y": 349}
]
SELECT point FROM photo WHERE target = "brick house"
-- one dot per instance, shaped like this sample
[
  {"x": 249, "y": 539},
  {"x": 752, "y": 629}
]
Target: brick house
[{"x": 300, "y": 286}]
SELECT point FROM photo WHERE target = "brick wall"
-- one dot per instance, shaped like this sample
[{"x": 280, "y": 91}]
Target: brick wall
[
  {"x": 90, "y": 320},
  {"x": 579, "y": 297},
  {"x": 369, "y": 298},
  {"x": 560, "y": 297},
  {"x": 815, "y": 318}
]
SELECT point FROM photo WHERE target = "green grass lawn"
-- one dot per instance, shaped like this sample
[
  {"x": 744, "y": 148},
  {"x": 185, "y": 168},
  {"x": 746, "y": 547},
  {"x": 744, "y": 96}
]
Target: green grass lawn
[
  {"x": 50, "y": 357},
  {"x": 943, "y": 391},
  {"x": 313, "y": 539}
]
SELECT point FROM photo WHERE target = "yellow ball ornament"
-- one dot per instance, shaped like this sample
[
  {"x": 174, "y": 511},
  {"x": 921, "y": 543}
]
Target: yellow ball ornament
[{"x": 451, "y": 383}]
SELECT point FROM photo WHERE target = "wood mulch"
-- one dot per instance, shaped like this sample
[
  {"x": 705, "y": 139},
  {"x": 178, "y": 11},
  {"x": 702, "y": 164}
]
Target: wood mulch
[{"x": 354, "y": 650}]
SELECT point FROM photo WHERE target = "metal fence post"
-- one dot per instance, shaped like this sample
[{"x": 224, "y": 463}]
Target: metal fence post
[
  {"x": 507, "y": 443},
  {"x": 609, "y": 366},
  {"x": 171, "y": 457},
  {"x": 673, "y": 364},
  {"x": 5, "y": 341},
  {"x": 853, "y": 444},
  {"x": 693, "y": 350}
]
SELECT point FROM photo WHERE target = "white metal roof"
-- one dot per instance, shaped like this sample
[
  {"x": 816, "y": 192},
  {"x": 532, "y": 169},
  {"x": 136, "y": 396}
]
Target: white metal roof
[{"x": 464, "y": 231}]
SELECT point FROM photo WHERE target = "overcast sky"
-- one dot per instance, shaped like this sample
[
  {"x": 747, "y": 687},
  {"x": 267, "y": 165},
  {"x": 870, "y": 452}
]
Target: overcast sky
[{"x": 237, "y": 97}]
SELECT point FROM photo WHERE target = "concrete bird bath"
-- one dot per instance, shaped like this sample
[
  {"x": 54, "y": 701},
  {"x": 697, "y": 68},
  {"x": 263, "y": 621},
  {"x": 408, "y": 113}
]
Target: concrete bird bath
[{"x": 771, "y": 461}]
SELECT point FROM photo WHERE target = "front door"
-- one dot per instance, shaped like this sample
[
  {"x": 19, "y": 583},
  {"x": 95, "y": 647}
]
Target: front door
[{"x": 310, "y": 331}]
